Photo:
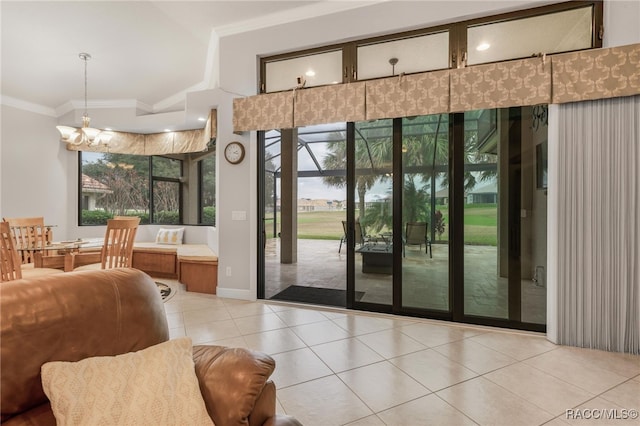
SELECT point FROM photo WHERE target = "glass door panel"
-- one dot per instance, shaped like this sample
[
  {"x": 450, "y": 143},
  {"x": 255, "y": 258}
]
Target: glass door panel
[
  {"x": 533, "y": 217},
  {"x": 371, "y": 231},
  {"x": 274, "y": 271},
  {"x": 486, "y": 257},
  {"x": 425, "y": 213}
]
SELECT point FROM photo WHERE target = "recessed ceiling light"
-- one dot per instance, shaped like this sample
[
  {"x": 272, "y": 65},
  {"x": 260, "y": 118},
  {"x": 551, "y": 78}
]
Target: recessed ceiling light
[
  {"x": 310, "y": 73},
  {"x": 167, "y": 130},
  {"x": 202, "y": 119},
  {"x": 483, "y": 46}
]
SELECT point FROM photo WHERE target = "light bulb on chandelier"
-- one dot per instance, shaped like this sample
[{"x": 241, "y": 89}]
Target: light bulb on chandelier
[{"x": 86, "y": 134}]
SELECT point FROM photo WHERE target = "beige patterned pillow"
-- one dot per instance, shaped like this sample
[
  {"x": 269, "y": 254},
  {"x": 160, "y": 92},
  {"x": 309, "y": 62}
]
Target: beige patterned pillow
[
  {"x": 169, "y": 236},
  {"x": 154, "y": 386}
]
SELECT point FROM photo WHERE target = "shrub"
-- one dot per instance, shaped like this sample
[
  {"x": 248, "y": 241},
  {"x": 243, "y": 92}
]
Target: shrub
[
  {"x": 95, "y": 217},
  {"x": 209, "y": 215},
  {"x": 167, "y": 217}
]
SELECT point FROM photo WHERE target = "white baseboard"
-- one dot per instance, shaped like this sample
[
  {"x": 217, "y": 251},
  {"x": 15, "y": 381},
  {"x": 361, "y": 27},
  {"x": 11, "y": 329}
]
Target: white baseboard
[{"x": 234, "y": 293}]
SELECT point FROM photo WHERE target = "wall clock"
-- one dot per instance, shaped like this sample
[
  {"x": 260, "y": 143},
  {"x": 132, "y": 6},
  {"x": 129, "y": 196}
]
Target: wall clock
[{"x": 234, "y": 152}]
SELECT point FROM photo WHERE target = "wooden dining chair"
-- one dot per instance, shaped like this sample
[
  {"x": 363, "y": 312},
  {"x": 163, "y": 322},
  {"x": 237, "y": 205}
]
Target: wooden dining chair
[
  {"x": 29, "y": 235},
  {"x": 11, "y": 268},
  {"x": 10, "y": 262},
  {"x": 117, "y": 250}
]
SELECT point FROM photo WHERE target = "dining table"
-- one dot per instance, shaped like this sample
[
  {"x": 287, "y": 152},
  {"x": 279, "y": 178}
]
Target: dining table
[{"x": 56, "y": 254}]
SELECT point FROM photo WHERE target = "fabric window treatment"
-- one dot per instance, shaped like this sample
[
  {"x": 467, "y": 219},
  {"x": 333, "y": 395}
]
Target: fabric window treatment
[
  {"x": 177, "y": 142},
  {"x": 568, "y": 77},
  {"x": 329, "y": 104},
  {"x": 263, "y": 112},
  {"x": 525, "y": 82},
  {"x": 598, "y": 240},
  {"x": 406, "y": 96},
  {"x": 596, "y": 74}
]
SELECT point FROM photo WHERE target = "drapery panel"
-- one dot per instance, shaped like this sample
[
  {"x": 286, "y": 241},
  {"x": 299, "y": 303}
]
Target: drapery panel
[
  {"x": 525, "y": 82},
  {"x": 598, "y": 282},
  {"x": 263, "y": 112},
  {"x": 157, "y": 143},
  {"x": 329, "y": 104},
  {"x": 596, "y": 74},
  {"x": 408, "y": 95}
]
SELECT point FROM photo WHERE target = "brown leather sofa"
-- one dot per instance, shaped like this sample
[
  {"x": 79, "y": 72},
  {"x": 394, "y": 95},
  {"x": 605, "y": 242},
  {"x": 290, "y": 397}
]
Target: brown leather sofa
[{"x": 72, "y": 316}]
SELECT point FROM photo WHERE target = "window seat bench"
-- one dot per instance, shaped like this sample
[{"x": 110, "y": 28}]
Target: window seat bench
[{"x": 194, "y": 265}]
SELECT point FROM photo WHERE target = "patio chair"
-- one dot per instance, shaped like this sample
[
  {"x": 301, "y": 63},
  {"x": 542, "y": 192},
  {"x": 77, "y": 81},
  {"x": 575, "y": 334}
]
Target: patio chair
[
  {"x": 416, "y": 234},
  {"x": 117, "y": 251},
  {"x": 361, "y": 237}
]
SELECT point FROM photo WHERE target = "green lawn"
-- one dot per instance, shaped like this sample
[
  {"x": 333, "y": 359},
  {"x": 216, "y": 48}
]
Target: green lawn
[{"x": 480, "y": 224}]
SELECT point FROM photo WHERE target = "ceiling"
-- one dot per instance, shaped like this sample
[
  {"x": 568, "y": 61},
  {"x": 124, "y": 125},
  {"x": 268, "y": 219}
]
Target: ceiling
[{"x": 144, "y": 53}]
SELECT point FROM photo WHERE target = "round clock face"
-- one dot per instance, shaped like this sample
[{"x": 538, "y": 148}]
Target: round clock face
[{"x": 234, "y": 152}]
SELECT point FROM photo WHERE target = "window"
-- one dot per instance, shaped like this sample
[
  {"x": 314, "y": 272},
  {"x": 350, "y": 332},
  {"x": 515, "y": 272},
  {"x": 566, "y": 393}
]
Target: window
[
  {"x": 407, "y": 55},
  {"x": 555, "y": 28},
  {"x": 311, "y": 70},
  {"x": 520, "y": 38},
  {"x": 119, "y": 185},
  {"x": 166, "y": 193},
  {"x": 207, "y": 197}
]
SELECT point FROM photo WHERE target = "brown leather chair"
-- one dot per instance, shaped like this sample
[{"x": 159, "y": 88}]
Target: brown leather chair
[{"x": 72, "y": 316}]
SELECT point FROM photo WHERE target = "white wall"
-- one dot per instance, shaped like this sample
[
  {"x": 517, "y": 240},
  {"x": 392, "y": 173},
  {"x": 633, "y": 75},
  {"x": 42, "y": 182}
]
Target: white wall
[
  {"x": 621, "y": 22},
  {"x": 34, "y": 168}
]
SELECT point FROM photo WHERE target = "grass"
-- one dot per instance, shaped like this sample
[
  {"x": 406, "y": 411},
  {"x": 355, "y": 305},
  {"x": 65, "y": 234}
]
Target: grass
[{"x": 480, "y": 224}]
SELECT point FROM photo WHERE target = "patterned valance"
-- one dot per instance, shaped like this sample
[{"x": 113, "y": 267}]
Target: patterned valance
[
  {"x": 329, "y": 104},
  {"x": 596, "y": 74},
  {"x": 151, "y": 144},
  {"x": 569, "y": 77},
  {"x": 263, "y": 112},
  {"x": 406, "y": 96},
  {"x": 157, "y": 143},
  {"x": 501, "y": 85}
]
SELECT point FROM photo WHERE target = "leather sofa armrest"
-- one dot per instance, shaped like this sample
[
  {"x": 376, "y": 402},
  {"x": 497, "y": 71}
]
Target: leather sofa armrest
[
  {"x": 231, "y": 381},
  {"x": 264, "y": 412}
]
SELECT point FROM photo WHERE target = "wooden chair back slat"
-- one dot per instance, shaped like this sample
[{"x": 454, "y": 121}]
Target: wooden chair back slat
[{"x": 9, "y": 259}]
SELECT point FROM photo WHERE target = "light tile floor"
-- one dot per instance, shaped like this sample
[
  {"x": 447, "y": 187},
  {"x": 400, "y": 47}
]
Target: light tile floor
[{"x": 338, "y": 367}]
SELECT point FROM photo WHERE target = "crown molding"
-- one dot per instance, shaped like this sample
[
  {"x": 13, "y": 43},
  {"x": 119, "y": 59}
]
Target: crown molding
[
  {"x": 28, "y": 106},
  {"x": 298, "y": 14}
]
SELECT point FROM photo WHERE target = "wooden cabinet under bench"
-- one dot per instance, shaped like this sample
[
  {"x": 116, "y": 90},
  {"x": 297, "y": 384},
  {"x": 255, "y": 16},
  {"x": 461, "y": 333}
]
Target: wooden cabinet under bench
[{"x": 194, "y": 265}]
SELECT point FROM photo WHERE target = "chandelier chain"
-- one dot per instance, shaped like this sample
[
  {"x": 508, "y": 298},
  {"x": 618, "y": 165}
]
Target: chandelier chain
[{"x": 85, "y": 57}]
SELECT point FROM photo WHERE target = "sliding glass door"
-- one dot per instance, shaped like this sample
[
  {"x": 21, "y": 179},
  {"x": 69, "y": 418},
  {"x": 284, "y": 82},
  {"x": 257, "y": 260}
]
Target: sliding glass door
[
  {"x": 425, "y": 212},
  {"x": 444, "y": 216},
  {"x": 372, "y": 227}
]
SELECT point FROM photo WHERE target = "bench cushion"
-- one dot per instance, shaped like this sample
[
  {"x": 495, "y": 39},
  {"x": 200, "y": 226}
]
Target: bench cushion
[{"x": 196, "y": 253}]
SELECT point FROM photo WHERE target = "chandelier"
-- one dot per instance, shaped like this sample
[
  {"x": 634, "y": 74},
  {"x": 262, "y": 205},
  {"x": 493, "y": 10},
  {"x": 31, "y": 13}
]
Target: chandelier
[{"x": 85, "y": 135}]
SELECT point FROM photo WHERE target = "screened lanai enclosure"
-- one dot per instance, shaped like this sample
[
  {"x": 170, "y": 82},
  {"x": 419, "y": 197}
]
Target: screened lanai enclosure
[{"x": 369, "y": 206}]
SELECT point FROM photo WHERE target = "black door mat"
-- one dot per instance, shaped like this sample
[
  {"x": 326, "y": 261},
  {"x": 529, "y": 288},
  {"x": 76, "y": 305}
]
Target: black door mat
[{"x": 315, "y": 295}]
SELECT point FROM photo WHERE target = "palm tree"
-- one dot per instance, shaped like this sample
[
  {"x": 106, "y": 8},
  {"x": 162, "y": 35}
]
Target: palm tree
[{"x": 373, "y": 158}]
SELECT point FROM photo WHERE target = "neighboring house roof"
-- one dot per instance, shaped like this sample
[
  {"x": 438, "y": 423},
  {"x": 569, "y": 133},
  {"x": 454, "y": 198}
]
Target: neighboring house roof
[
  {"x": 89, "y": 184},
  {"x": 322, "y": 202}
]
